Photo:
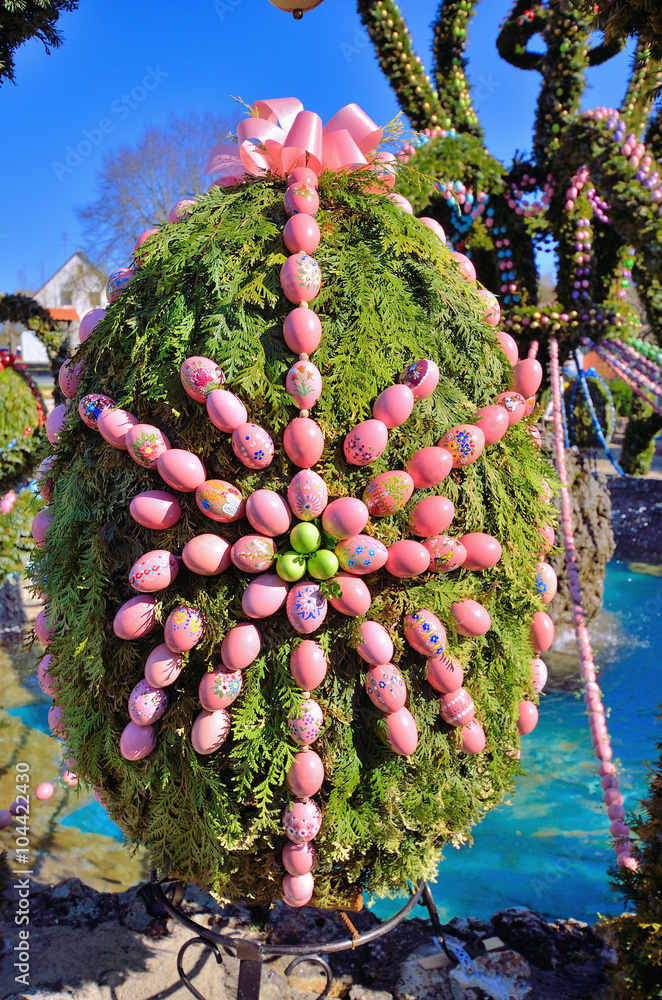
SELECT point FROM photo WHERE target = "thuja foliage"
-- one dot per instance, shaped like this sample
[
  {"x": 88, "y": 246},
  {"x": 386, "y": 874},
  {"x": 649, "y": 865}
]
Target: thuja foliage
[
  {"x": 391, "y": 294},
  {"x": 639, "y": 438},
  {"x": 21, "y": 20},
  {"x": 580, "y": 423}
]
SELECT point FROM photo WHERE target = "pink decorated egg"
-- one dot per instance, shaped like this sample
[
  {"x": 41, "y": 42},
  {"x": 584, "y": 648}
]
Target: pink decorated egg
[
  {"x": 241, "y": 646},
  {"x": 55, "y": 722},
  {"x": 308, "y": 665},
  {"x": 138, "y": 256},
  {"x": 355, "y": 598},
  {"x": 546, "y": 582},
  {"x": 91, "y": 407},
  {"x": 268, "y": 513},
  {"x": 220, "y": 500},
  {"x": 446, "y": 553},
  {"x": 471, "y": 618},
  {"x": 465, "y": 442},
  {"x": 388, "y": 493},
  {"x": 181, "y": 210},
  {"x": 303, "y": 175},
  {"x": 538, "y": 674},
  {"x": 70, "y": 377},
  {"x": 365, "y": 442},
  {"x": 264, "y": 596},
  {"x": 305, "y": 723},
  {"x": 385, "y": 686},
  {"x": 302, "y": 233},
  {"x": 301, "y": 198},
  {"x": 44, "y": 482},
  {"x": 183, "y": 628},
  {"x": 457, "y": 708},
  {"x": 304, "y": 384},
  {"x": 302, "y": 821},
  {"x": 422, "y": 377},
  {"x": 137, "y": 742},
  {"x": 542, "y": 632},
  {"x": 425, "y": 633},
  {"x": 434, "y": 226},
  {"x": 400, "y": 201},
  {"x": 136, "y": 617},
  {"x": 431, "y": 516},
  {"x": 508, "y": 345},
  {"x": 146, "y": 703},
  {"x": 252, "y": 446},
  {"x": 40, "y": 525},
  {"x": 376, "y": 646},
  {"x": 181, "y": 469},
  {"x": 306, "y": 774},
  {"x": 473, "y": 738},
  {"x": 56, "y": 422},
  {"x": 118, "y": 281},
  {"x": 207, "y": 555},
  {"x": 536, "y": 435},
  {"x": 492, "y": 307},
  {"x": 306, "y": 607},
  {"x": 300, "y": 278},
  {"x": 44, "y": 677},
  {"x": 219, "y": 688},
  {"x": 345, "y": 517},
  {"x": 464, "y": 265},
  {"x": 302, "y": 330},
  {"x": 493, "y": 422},
  {"x": 113, "y": 426},
  {"x": 361, "y": 554},
  {"x": 548, "y": 536},
  {"x": 444, "y": 673},
  {"x": 303, "y": 442},
  {"x": 225, "y": 410},
  {"x": 514, "y": 405},
  {"x": 429, "y": 466},
  {"x": 527, "y": 376},
  {"x": 89, "y": 323},
  {"x": 43, "y": 629},
  {"x": 307, "y": 495},
  {"x": 393, "y": 406},
  {"x": 298, "y": 858},
  {"x": 407, "y": 558},
  {"x": 44, "y": 791},
  {"x": 145, "y": 444},
  {"x": 153, "y": 571},
  {"x": 483, "y": 551},
  {"x": 199, "y": 376},
  {"x": 530, "y": 406},
  {"x": 210, "y": 730},
  {"x": 163, "y": 667},
  {"x": 402, "y": 732},
  {"x": 155, "y": 509},
  {"x": 298, "y": 889},
  {"x": 527, "y": 717},
  {"x": 253, "y": 553}
]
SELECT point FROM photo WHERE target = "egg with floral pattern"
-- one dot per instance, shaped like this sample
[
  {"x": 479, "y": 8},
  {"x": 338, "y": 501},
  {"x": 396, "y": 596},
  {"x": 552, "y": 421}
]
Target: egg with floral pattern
[
  {"x": 304, "y": 384},
  {"x": 145, "y": 444},
  {"x": 388, "y": 493},
  {"x": 305, "y": 723},
  {"x": 365, "y": 442},
  {"x": 154, "y": 571},
  {"x": 199, "y": 376},
  {"x": 252, "y": 446},
  {"x": 465, "y": 443},
  {"x": 422, "y": 377},
  {"x": 300, "y": 278},
  {"x": 514, "y": 405},
  {"x": 301, "y": 198},
  {"x": 253, "y": 553},
  {"x": 302, "y": 821},
  {"x": 385, "y": 686},
  {"x": 91, "y": 407},
  {"x": 546, "y": 582},
  {"x": 446, "y": 553},
  {"x": 306, "y": 607},
  {"x": 183, "y": 628},
  {"x": 220, "y": 500},
  {"x": 307, "y": 495},
  {"x": 425, "y": 633},
  {"x": 70, "y": 377},
  {"x": 361, "y": 554},
  {"x": 219, "y": 688},
  {"x": 146, "y": 703}
]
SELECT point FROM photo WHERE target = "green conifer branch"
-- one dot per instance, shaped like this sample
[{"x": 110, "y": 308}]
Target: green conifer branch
[{"x": 449, "y": 43}]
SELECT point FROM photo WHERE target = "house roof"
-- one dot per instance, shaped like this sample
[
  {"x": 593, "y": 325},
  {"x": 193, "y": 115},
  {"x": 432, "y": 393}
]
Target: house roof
[
  {"x": 63, "y": 313},
  {"x": 85, "y": 260}
]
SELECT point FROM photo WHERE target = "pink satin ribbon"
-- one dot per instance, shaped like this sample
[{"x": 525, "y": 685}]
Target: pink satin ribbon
[{"x": 282, "y": 135}]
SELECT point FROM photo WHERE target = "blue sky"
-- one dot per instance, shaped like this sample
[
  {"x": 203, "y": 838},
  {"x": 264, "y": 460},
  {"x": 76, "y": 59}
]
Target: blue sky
[{"x": 118, "y": 73}]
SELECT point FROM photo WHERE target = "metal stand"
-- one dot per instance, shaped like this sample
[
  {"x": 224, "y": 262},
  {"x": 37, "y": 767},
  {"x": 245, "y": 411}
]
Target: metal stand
[{"x": 251, "y": 954}]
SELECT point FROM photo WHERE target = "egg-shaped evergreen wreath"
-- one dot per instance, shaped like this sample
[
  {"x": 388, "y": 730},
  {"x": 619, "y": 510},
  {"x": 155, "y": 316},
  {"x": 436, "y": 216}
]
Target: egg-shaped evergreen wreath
[
  {"x": 264, "y": 495},
  {"x": 581, "y": 422}
]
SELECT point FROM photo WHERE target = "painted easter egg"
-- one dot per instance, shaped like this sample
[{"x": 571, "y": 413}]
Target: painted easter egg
[
  {"x": 422, "y": 377},
  {"x": 70, "y": 377},
  {"x": 434, "y": 226},
  {"x": 538, "y": 674},
  {"x": 56, "y": 422},
  {"x": 118, "y": 281},
  {"x": 303, "y": 442},
  {"x": 306, "y": 607},
  {"x": 183, "y": 628},
  {"x": 402, "y": 732},
  {"x": 300, "y": 278},
  {"x": 425, "y": 633},
  {"x": 42, "y": 627},
  {"x": 431, "y": 516},
  {"x": 536, "y": 435},
  {"x": 473, "y": 737},
  {"x": 225, "y": 410},
  {"x": 301, "y": 198},
  {"x": 385, "y": 686},
  {"x": 146, "y": 703},
  {"x": 55, "y": 722},
  {"x": 219, "y": 688},
  {"x": 298, "y": 889},
  {"x": 302, "y": 331},
  {"x": 464, "y": 265},
  {"x": 153, "y": 571},
  {"x": 220, "y": 500},
  {"x": 355, "y": 598},
  {"x": 136, "y": 617},
  {"x": 365, "y": 442},
  {"x": 163, "y": 667},
  {"x": 457, "y": 708},
  {"x": 253, "y": 553},
  {"x": 483, "y": 551},
  {"x": 527, "y": 717},
  {"x": 429, "y": 466},
  {"x": 361, "y": 554},
  {"x": 308, "y": 665},
  {"x": 302, "y": 821},
  {"x": 43, "y": 676},
  {"x": 302, "y": 175},
  {"x": 471, "y": 618},
  {"x": 388, "y": 493},
  {"x": 113, "y": 426},
  {"x": 376, "y": 646},
  {"x": 407, "y": 559},
  {"x": 40, "y": 525},
  {"x": 89, "y": 323},
  {"x": 492, "y": 307},
  {"x": 302, "y": 232},
  {"x": 181, "y": 210},
  {"x": 156, "y": 509},
  {"x": 298, "y": 858},
  {"x": 508, "y": 345},
  {"x": 345, "y": 517},
  {"x": 91, "y": 407},
  {"x": 305, "y": 723},
  {"x": 465, "y": 443},
  {"x": 252, "y": 446},
  {"x": 530, "y": 406},
  {"x": 199, "y": 376},
  {"x": 44, "y": 482},
  {"x": 446, "y": 553},
  {"x": 514, "y": 405},
  {"x": 137, "y": 742},
  {"x": 527, "y": 376},
  {"x": 268, "y": 513},
  {"x": 546, "y": 582},
  {"x": 548, "y": 535},
  {"x": 241, "y": 646},
  {"x": 207, "y": 555},
  {"x": 210, "y": 730},
  {"x": 305, "y": 776},
  {"x": 492, "y": 421},
  {"x": 304, "y": 384},
  {"x": 542, "y": 632},
  {"x": 444, "y": 673},
  {"x": 393, "y": 406},
  {"x": 264, "y": 596},
  {"x": 145, "y": 444},
  {"x": 181, "y": 469},
  {"x": 307, "y": 495}
]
